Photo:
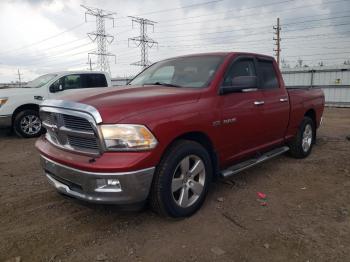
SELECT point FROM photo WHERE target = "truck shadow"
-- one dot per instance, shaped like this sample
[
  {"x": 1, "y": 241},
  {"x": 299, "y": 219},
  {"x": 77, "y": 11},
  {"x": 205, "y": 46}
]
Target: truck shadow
[{"x": 6, "y": 132}]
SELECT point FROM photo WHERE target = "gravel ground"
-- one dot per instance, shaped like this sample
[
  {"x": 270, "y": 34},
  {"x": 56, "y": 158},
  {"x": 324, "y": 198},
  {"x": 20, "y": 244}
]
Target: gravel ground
[{"x": 307, "y": 217}]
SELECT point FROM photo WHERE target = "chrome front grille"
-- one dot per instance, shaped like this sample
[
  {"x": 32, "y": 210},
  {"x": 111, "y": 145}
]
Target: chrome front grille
[
  {"x": 82, "y": 142},
  {"x": 50, "y": 119},
  {"x": 74, "y": 122},
  {"x": 71, "y": 130}
]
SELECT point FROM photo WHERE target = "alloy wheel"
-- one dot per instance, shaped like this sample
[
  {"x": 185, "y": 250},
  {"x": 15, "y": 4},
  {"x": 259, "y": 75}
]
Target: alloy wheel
[
  {"x": 30, "y": 125},
  {"x": 188, "y": 181},
  {"x": 307, "y": 138}
]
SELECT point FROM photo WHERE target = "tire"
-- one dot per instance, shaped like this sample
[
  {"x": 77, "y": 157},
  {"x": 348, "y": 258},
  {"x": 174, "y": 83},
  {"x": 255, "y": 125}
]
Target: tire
[
  {"x": 301, "y": 145},
  {"x": 173, "y": 180},
  {"x": 27, "y": 124}
]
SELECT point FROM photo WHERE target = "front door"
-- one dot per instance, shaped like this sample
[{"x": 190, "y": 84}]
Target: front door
[{"x": 241, "y": 113}]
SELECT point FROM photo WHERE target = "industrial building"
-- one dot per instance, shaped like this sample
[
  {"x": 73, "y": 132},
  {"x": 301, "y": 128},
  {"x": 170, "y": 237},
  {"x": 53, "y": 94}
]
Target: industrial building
[{"x": 334, "y": 80}]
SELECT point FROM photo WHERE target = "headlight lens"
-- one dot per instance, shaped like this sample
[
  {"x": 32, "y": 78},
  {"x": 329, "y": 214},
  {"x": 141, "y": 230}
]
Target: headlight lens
[
  {"x": 3, "y": 101},
  {"x": 124, "y": 137}
]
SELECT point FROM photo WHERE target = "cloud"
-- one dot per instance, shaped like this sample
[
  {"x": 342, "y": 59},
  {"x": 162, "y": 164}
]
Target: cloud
[
  {"x": 50, "y": 35},
  {"x": 31, "y": 2}
]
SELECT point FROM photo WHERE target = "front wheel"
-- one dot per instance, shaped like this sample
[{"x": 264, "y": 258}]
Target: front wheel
[
  {"x": 301, "y": 145},
  {"x": 27, "y": 124},
  {"x": 182, "y": 180}
]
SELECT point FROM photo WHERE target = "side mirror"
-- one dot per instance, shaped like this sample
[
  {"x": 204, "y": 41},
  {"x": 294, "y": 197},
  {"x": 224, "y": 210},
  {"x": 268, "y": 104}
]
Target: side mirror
[
  {"x": 239, "y": 84},
  {"x": 55, "y": 87}
]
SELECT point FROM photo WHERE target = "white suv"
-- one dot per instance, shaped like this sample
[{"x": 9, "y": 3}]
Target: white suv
[{"x": 19, "y": 107}]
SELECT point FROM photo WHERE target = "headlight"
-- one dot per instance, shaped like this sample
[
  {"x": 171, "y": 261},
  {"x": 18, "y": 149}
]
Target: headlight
[
  {"x": 124, "y": 137},
  {"x": 3, "y": 101}
]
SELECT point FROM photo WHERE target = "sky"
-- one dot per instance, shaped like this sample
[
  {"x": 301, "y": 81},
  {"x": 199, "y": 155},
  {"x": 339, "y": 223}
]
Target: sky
[{"x": 44, "y": 36}]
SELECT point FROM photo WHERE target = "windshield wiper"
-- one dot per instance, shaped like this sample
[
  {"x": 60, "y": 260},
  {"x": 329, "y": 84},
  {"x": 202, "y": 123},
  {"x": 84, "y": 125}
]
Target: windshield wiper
[{"x": 162, "y": 84}]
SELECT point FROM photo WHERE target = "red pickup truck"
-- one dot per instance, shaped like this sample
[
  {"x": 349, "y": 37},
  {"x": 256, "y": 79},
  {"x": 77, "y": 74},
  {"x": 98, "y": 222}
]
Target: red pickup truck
[{"x": 175, "y": 127}]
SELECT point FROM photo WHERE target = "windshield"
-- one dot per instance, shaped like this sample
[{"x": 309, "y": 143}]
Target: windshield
[
  {"x": 191, "y": 71},
  {"x": 40, "y": 81}
]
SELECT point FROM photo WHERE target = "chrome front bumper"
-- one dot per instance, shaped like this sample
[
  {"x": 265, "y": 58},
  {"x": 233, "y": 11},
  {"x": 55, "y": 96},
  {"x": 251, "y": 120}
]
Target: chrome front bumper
[
  {"x": 127, "y": 187},
  {"x": 5, "y": 121}
]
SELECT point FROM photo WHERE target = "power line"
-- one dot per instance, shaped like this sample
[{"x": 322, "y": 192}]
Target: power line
[
  {"x": 236, "y": 10},
  {"x": 58, "y": 46},
  {"x": 241, "y": 9},
  {"x": 143, "y": 40},
  {"x": 248, "y": 41},
  {"x": 164, "y": 22},
  {"x": 180, "y": 8},
  {"x": 244, "y": 35},
  {"x": 59, "y": 56},
  {"x": 205, "y": 3},
  {"x": 335, "y": 53},
  {"x": 316, "y": 35},
  {"x": 45, "y": 39},
  {"x": 313, "y": 27},
  {"x": 260, "y": 41},
  {"x": 274, "y": 3},
  {"x": 100, "y": 36},
  {"x": 317, "y": 20},
  {"x": 260, "y": 27}
]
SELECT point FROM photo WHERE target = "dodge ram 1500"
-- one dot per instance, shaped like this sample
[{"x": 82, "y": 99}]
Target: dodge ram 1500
[{"x": 175, "y": 127}]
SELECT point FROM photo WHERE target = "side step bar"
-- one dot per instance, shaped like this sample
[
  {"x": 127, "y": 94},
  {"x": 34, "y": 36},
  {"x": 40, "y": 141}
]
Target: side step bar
[{"x": 253, "y": 161}]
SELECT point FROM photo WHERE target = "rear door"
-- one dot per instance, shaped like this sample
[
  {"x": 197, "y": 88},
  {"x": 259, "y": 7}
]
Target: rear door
[
  {"x": 94, "y": 80},
  {"x": 240, "y": 125},
  {"x": 275, "y": 116}
]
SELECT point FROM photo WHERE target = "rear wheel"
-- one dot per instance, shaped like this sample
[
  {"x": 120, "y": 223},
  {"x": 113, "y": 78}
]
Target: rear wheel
[
  {"x": 182, "y": 180},
  {"x": 27, "y": 124},
  {"x": 302, "y": 143}
]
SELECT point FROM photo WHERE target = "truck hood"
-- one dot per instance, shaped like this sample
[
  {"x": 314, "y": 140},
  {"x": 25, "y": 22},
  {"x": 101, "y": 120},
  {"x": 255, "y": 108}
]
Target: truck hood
[
  {"x": 115, "y": 104},
  {"x": 8, "y": 92}
]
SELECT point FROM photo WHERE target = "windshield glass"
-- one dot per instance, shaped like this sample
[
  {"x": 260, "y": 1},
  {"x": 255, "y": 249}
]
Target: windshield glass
[
  {"x": 191, "y": 71},
  {"x": 40, "y": 81}
]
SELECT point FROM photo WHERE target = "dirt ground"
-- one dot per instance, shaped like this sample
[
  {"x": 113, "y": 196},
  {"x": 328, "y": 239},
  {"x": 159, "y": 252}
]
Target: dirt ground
[{"x": 307, "y": 217}]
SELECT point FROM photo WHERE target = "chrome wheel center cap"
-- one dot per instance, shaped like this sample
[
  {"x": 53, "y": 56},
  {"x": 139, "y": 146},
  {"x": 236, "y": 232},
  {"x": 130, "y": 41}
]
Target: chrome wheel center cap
[{"x": 186, "y": 178}]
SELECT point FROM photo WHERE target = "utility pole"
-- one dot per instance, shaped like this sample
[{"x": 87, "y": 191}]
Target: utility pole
[
  {"x": 277, "y": 40},
  {"x": 100, "y": 37},
  {"x": 90, "y": 64},
  {"x": 143, "y": 40},
  {"x": 19, "y": 78}
]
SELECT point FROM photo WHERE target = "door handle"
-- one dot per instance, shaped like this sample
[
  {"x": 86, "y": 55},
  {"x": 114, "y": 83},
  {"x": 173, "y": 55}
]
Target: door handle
[
  {"x": 40, "y": 98},
  {"x": 283, "y": 99},
  {"x": 259, "y": 103}
]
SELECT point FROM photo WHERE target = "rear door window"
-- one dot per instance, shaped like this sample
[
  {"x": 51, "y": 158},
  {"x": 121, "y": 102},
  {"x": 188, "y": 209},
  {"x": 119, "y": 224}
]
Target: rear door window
[
  {"x": 95, "y": 80},
  {"x": 268, "y": 75}
]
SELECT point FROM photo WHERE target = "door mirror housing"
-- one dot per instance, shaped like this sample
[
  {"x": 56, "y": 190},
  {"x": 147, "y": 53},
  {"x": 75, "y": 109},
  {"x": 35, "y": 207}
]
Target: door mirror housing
[
  {"x": 239, "y": 84},
  {"x": 56, "y": 87}
]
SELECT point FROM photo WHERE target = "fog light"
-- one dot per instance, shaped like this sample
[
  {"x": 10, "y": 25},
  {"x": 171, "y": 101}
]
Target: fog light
[
  {"x": 108, "y": 185},
  {"x": 113, "y": 182}
]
